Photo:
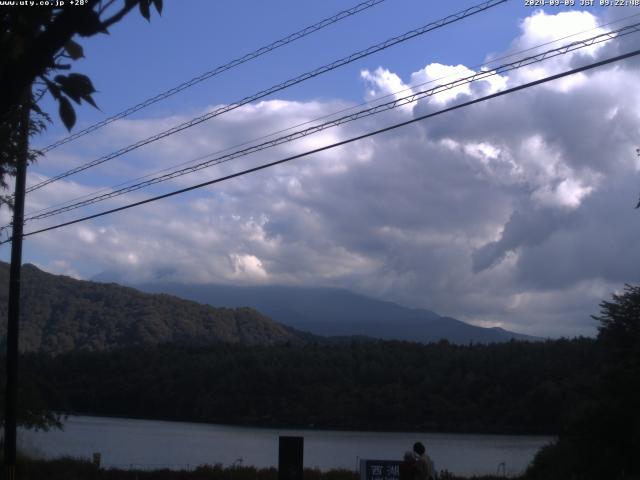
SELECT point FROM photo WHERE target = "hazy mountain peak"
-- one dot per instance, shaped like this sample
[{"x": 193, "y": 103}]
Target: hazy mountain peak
[{"x": 338, "y": 312}]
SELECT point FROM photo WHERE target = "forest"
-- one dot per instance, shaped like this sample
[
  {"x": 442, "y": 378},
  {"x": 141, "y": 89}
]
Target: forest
[{"x": 515, "y": 387}]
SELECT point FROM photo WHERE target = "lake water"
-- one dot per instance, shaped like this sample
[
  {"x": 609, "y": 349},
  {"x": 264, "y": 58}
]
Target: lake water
[{"x": 127, "y": 443}]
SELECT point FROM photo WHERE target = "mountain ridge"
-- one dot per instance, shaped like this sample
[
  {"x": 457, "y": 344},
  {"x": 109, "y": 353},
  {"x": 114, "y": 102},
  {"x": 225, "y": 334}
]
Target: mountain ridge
[
  {"x": 61, "y": 314},
  {"x": 332, "y": 312}
]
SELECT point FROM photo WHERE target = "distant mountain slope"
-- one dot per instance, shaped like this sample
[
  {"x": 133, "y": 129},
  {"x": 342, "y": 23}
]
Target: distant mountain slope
[
  {"x": 60, "y": 314},
  {"x": 336, "y": 312}
]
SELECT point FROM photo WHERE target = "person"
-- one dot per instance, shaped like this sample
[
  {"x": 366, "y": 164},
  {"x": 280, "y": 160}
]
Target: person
[
  {"x": 424, "y": 468},
  {"x": 408, "y": 468}
]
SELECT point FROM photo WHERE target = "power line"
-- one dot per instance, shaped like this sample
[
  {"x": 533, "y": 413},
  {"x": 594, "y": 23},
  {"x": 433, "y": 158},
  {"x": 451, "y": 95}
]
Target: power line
[
  {"x": 218, "y": 70},
  {"x": 601, "y": 25},
  {"x": 412, "y": 87},
  {"x": 281, "y": 86},
  {"x": 343, "y": 142},
  {"x": 409, "y": 99},
  {"x": 482, "y": 66}
]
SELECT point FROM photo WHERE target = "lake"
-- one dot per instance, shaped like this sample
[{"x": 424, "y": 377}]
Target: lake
[{"x": 128, "y": 443}]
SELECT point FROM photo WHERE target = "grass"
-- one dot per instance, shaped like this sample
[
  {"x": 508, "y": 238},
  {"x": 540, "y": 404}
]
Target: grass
[{"x": 68, "y": 468}]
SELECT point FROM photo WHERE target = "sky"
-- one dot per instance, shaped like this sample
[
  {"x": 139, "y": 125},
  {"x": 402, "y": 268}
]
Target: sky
[{"x": 515, "y": 212}]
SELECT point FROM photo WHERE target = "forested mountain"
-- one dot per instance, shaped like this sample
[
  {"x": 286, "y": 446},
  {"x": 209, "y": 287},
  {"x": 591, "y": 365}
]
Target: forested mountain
[
  {"x": 60, "y": 314},
  {"x": 332, "y": 312}
]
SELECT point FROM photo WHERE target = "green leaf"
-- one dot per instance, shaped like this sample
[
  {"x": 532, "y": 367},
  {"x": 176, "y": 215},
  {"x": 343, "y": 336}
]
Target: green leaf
[
  {"x": 53, "y": 88},
  {"x": 74, "y": 50},
  {"x": 91, "y": 25},
  {"x": 144, "y": 9},
  {"x": 76, "y": 86},
  {"x": 89, "y": 99},
  {"x": 63, "y": 82},
  {"x": 158, "y": 5},
  {"x": 81, "y": 82},
  {"x": 67, "y": 113},
  {"x": 36, "y": 108}
]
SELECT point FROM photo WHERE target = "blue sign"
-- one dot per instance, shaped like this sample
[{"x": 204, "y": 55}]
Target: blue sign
[{"x": 379, "y": 470}]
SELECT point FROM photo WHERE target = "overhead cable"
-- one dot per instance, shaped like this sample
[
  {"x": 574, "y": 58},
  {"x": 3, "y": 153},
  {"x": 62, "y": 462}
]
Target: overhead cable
[
  {"x": 412, "y": 87},
  {"x": 218, "y": 70},
  {"x": 276, "y": 88},
  {"x": 341, "y": 143},
  {"x": 406, "y": 100}
]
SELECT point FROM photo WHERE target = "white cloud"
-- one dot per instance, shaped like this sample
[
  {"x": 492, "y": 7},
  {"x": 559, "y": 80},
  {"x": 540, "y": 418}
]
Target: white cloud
[
  {"x": 541, "y": 28},
  {"x": 59, "y": 267},
  {"x": 545, "y": 29},
  {"x": 247, "y": 267},
  {"x": 382, "y": 82},
  {"x": 568, "y": 193},
  {"x": 86, "y": 234},
  {"x": 436, "y": 74}
]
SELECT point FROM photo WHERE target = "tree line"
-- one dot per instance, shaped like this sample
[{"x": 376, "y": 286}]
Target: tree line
[{"x": 515, "y": 387}]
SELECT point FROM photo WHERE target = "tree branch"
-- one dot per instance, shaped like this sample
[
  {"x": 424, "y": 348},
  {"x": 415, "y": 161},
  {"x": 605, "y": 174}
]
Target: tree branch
[
  {"x": 120, "y": 15},
  {"x": 104, "y": 8}
]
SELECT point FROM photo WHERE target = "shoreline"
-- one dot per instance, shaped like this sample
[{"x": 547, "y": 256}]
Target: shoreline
[
  {"x": 165, "y": 444},
  {"x": 311, "y": 427}
]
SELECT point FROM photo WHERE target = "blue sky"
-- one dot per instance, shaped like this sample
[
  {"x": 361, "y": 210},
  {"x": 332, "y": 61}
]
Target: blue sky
[
  {"x": 140, "y": 58},
  {"x": 513, "y": 213}
]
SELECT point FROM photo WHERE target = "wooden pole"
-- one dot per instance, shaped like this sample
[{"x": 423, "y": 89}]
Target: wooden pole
[{"x": 10, "y": 421}]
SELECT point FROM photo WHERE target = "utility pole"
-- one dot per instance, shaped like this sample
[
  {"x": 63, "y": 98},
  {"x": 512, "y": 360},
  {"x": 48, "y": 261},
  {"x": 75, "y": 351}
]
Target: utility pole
[
  {"x": 638, "y": 153},
  {"x": 11, "y": 402}
]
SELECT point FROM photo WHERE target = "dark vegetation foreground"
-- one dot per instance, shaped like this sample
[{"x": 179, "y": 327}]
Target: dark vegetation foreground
[{"x": 75, "y": 469}]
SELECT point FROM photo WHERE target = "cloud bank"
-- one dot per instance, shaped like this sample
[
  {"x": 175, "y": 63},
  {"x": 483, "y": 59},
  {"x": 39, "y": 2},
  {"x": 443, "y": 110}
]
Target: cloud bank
[{"x": 517, "y": 212}]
